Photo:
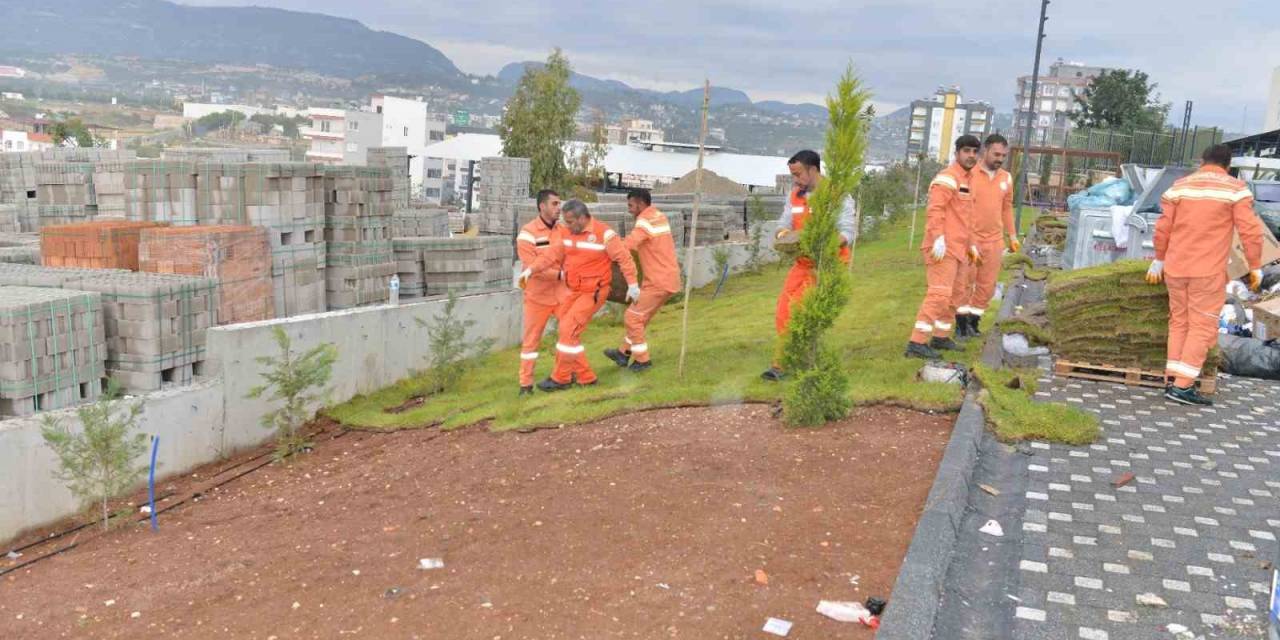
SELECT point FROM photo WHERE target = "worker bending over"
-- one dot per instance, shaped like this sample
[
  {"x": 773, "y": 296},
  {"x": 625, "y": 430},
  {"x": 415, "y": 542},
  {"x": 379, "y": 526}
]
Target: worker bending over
[
  {"x": 992, "y": 222},
  {"x": 582, "y": 248},
  {"x": 946, "y": 248},
  {"x": 1201, "y": 213},
  {"x": 545, "y": 291},
  {"x": 652, "y": 242},
  {"x": 806, "y": 172}
]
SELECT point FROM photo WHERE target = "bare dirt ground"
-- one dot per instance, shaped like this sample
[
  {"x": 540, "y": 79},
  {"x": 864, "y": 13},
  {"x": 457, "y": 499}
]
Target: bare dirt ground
[{"x": 651, "y": 525}]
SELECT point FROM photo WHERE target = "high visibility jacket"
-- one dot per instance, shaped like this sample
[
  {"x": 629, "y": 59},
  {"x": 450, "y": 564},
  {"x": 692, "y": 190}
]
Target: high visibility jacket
[
  {"x": 950, "y": 211},
  {"x": 800, "y": 215},
  {"x": 652, "y": 241},
  {"x": 1194, "y": 232},
  {"x": 585, "y": 258},
  {"x": 992, "y": 205},
  {"x": 545, "y": 288}
]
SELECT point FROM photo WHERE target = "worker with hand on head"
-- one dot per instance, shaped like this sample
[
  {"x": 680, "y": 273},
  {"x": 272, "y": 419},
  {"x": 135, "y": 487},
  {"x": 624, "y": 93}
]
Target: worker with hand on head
[
  {"x": 583, "y": 249},
  {"x": 1201, "y": 214},
  {"x": 653, "y": 244},
  {"x": 806, "y": 173},
  {"x": 947, "y": 249},
  {"x": 544, "y": 292},
  {"x": 992, "y": 189}
]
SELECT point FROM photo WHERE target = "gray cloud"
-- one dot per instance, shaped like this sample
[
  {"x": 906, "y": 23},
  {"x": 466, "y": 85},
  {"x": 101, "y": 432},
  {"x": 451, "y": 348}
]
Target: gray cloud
[{"x": 1218, "y": 54}]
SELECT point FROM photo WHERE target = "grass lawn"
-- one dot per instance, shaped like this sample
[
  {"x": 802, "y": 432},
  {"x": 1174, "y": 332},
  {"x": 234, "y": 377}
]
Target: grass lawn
[{"x": 731, "y": 340}]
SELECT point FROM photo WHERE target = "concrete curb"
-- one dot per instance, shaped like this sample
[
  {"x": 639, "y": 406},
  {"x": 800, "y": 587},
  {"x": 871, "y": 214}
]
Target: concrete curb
[{"x": 917, "y": 594}]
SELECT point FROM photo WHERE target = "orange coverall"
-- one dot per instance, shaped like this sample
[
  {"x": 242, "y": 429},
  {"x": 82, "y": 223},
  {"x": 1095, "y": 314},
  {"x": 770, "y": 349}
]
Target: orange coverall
[
  {"x": 950, "y": 214},
  {"x": 1193, "y": 239},
  {"x": 585, "y": 259},
  {"x": 992, "y": 221},
  {"x": 802, "y": 276},
  {"x": 652, "y": 241},
  {"x": 542, "y": 295}
]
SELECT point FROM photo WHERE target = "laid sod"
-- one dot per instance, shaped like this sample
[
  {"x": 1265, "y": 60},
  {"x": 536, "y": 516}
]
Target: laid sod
[
  {"x": 1005, "y": 398},
  {"x": 731, "y": 340}
]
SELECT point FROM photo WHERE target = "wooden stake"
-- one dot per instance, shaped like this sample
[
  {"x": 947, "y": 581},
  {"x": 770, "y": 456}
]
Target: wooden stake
[{"x": 693, "y": 232}]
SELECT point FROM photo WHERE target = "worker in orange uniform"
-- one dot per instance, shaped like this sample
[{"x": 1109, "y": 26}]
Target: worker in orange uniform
[
  {"x": 1201, "y": 213},
  {"x": 545, "y": 291},
  {"x": 992, "y": 189},
  {"x": 806, "y": 172},
  {"x": 946, "y": 248},
  {"x": 583, "y": 249},
  {"x": 652, "y": 242}
]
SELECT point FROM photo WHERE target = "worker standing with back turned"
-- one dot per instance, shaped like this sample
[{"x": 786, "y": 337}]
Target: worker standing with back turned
[
  {"x": 1201, "y": 213},
  {"x": 806, "y": 172},
  {"x": 545, "y": 291},
  {"x": 583, "y": 249},
  {"x": 947, "y": 248},
  {"x": 651, "y": 240},
  {"x": 992, "y": 221}
]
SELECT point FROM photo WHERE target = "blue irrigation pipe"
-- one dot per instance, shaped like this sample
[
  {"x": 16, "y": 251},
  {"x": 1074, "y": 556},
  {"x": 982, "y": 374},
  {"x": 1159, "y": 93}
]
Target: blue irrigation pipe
[
  {"x": 724, "y": 275},
  {"x": 151, "y": 482}
]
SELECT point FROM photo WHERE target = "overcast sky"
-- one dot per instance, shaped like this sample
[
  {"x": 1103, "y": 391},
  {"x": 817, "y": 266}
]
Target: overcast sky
[{"x": 1219, "y": 54}]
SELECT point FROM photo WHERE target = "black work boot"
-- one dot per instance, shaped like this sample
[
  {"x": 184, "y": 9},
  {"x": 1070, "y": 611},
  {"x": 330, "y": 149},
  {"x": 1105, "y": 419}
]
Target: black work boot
[
  {"x": 618, "y": 357},
  {"x": 922, "y": 351},
  {"x": 974, "y": 331},
  {"x": 637, "y": 367},
  {"x": 962, "y": 326},
  {"x": 1190, "y": 395},
  {"x": 526, "y": 391},
  {"x": 773, "y": 374},
  {"x": 943, "y": 344},
  {"x": 550, "y": 385}
]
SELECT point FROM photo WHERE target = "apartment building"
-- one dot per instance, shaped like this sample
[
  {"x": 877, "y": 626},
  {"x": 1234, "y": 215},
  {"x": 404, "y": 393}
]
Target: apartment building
[
  {"x": 1050, "y": 110},
  {"x": 938, "y": 120},
  {"x": 634, "y": 131},
  {"x": 340, "y": 136},
  {"x": 13, "y": 141}
]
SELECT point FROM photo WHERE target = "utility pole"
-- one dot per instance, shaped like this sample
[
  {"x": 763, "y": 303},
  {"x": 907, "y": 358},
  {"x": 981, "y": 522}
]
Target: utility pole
[
  {"x": 1026, "y": 132},
  {"x": 1186, "y": 123}
]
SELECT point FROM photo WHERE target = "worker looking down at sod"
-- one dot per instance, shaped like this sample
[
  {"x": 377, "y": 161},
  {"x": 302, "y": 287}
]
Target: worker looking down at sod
[
  {"x": 806, "y": 172},
  {"x": 584, "y": 249}
]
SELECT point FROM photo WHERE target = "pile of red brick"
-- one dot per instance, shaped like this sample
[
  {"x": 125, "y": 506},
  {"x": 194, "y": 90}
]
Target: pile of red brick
[
  {"x": 107, "y": 244},
  {"x": 238, "y": 256}
]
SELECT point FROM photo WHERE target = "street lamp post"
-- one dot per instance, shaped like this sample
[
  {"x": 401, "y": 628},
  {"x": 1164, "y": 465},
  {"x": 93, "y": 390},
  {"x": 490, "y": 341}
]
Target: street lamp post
[{"x": 1026, "y": 131}]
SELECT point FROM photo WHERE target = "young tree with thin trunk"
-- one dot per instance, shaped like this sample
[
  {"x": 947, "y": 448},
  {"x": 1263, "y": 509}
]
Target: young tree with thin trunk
[{"x": 539, "y": 120}]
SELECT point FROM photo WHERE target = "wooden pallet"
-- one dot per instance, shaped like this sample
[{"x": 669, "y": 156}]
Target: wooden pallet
[{"x": 1124, "y": 375}]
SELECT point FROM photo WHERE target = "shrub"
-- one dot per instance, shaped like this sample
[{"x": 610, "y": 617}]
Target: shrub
[
  {"x": 297, "y": 380},
  {"x": 452, "y": 354}
]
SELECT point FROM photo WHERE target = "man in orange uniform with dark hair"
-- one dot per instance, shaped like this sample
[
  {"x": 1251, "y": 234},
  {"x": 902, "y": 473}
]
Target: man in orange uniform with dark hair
[
  {"x": 583, "y": 249},
  {"x": 651, "y": 240},
  {"x": 947, "y": 246},
  {"x": 992, "y": 222},
  {"x": 806, "y": 173},
  {"x": 545, "y": 291},
  {"x": 1201, "y": 214}
]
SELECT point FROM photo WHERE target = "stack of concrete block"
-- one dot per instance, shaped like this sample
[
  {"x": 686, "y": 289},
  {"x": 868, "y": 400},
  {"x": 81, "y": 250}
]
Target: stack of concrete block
[
  {"x": 438, "y": 266},
  {"x": 20, "y": 248},
  {"x": 65, "y": 183},
  {"x": 9, "y": 219},
  {"x": 151, "y": 190},
  {"x": 18, "y": 189},
  {"x": 105, "y": 244},
  {"x": 783, "y": 183},
  {"x": 359, "y": 260},
  {"x": 226, "y": 154},
  {"x": 504, "y": 218},
  {"x": 457, "y": 220},
  {"x": 67, "y": 192},
  {"x": 396, "y": 160},
  {"x": 238, "y": 256},
  {"x": 53, "y": 349},
  {"x": 155, "y": 323},
  {"x": 504, "y": 179},
  {"x": 711, "y": 222},
  {"x": 420, "y": 221}
]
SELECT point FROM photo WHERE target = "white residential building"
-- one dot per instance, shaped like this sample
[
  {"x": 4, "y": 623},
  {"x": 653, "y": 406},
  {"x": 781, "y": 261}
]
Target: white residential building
[
  {"x": 197, "y": 110},
  {"x": 339, "y": 136},
  {"x": 407, "y": 123},
  {"x": 634, "y": 131},
  {"x": 937, "y": 121},
  {"x": 13, "y": 141}
]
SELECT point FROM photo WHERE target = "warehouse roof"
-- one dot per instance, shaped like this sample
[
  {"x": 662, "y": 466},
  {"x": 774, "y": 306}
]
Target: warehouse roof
[{"x": 744, "y": 169}]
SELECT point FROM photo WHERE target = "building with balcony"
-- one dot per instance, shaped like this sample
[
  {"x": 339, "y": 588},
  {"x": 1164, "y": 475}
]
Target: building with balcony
[
  {"x": 340, "y": 136},
  {"x": 1049, "y": 112},
  {"x": 937, "y": 121},
  {"x": 634, "y": 131}
]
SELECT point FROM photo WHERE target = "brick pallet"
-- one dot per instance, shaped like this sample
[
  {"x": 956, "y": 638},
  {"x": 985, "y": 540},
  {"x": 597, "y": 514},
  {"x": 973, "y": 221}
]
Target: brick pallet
[
  {"x": 226, "y": 154},
  {"x": 9, "y": 219},
  {"x": 395, "y": 160},
  {"x": 359, "y": 261},
  {"x": 238, "y": 256},
  {"x": 504, "y": 179},
  {"x": 436, "y": 266},
  {"x": 52, "y": 349},
  {"x": 421, "y": 221},
  {"x": 155, "y": 323},
  {"x": 106, "y": 244},
  {"x": 21, "y": 248}
]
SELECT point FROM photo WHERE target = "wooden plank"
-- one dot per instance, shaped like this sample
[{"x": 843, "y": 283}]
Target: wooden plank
[{"x": 1124, "y": 375}]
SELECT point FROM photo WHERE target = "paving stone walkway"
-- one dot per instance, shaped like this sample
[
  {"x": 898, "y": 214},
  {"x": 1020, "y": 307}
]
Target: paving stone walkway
[{"x": 1195, "y": 527}]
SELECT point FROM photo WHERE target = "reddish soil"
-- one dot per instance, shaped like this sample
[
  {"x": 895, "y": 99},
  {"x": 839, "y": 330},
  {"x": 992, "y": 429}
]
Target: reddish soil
[{"x": 650, "y": 525}]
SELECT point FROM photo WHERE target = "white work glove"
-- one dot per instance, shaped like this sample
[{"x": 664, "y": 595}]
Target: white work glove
[
  {"x": 523, "y": 280},
  {"x": 1155, "y": 273},
  {"x": 1255, "y": 280},
  {"x": 633, "y": 292},
  {"x": 939, "y": 248}
]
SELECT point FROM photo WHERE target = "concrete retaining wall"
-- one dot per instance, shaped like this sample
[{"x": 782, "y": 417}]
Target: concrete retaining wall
[{"x": 200, "y": 423}]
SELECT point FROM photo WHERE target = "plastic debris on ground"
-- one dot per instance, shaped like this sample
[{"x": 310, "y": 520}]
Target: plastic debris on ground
[
  {"x": 1151, "y": 600},
  {"x": 1017, "y": 344},
  {"x": 944, "y": 372},
  {"x": 992, "y": 528},
  {"x": 848, "y": 612},
  {"x": 989, "y": 489},
  {"x": 1249, "y": 357},
  {"x": 13, "y": 555},
  {"x": 1108, "y": 193},
  {"x": 777, "y": 627},
  {"x": 430, "y": 563}
]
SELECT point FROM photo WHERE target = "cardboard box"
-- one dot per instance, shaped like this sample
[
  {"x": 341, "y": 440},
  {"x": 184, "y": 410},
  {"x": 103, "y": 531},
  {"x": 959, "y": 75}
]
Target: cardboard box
[
  {"x": 1238, "y": 267},
  {"x": 1268, "y": 314}
]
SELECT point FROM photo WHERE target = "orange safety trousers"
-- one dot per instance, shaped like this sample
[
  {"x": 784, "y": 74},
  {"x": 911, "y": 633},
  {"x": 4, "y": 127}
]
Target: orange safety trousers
[
  {"x": 980, "y": 279},
  {"x": 574, "y": 315},
  {"x": 799, "y": 279},
  {"x": 637, "y": 318},
  {"x": 1194, "y": 305},
  {"x": 535, "y": 323},
  {"x": 937, "y": 317}
]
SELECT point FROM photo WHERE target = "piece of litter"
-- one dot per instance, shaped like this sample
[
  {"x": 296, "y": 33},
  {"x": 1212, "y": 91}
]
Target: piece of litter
[
  {"x": 1175, "y": 628},
  {"x": 297, "y": 605},
  {"x": 145, "y": 509},
  {"x": 777, "y": 627},
  {"x": 663, "y": 585},
  {"x": 355, "y": 572},
  {"x": 430, "y": 563},
  {"x": 1209, "y": 466},
  {"x": 136, "y": 614},
  {"x": 109, "y": 603},
  {"x": 13, "y": 555},
  {"x": 992, "y": 528},
  {"x": 989, "y": 489},
  {"x": 1151, "y": 600},
  {"x": 1122, "y": 479},
  {"x": 846, "y": 612},
  {"x": 1013, "y": 597},
  {"x": 853, "y": 580},
  {"x": 762, "y": 578}
]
